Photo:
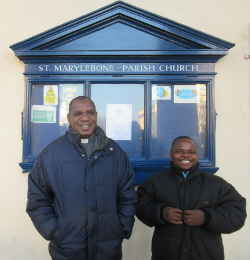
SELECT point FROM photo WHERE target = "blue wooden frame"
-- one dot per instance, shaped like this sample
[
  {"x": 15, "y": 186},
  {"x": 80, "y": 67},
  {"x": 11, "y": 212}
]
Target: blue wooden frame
[{"x": 121, "y": 34}]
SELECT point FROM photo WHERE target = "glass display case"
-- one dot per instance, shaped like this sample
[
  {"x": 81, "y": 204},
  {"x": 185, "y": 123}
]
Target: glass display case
[
  {"x": 152, "y": 79},
  {"x": 142, "y": 116}
]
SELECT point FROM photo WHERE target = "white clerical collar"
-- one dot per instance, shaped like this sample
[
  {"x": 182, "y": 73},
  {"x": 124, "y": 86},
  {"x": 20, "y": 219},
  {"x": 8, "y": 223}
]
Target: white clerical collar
[{"x": 84, "y": 140}]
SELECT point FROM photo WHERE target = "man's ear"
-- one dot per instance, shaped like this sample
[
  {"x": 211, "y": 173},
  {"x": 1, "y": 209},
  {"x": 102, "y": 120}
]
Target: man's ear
[{"x": 171, "y": 155}]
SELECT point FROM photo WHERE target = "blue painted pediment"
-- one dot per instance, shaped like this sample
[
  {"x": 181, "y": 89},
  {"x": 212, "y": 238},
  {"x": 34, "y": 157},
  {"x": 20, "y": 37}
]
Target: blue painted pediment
[
  {"x": 121, "y": 29},
  {"x": 118, "y": 36}
]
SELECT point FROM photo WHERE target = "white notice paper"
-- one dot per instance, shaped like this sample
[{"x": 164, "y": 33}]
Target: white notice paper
[{"x": 119, "y": 121}]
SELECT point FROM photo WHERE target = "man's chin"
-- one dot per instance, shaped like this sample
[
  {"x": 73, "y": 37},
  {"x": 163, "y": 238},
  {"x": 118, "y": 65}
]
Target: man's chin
[
  {"x": 86, "y": 134},
  {"x": 185, "y": 168}
]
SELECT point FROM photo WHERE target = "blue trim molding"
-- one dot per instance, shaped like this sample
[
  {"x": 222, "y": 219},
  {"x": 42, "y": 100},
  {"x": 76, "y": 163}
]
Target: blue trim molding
[
  {"x": 118, "y": 68},
  {"x": 95, "y": 48},
  {"x": 149, "y": 34}
]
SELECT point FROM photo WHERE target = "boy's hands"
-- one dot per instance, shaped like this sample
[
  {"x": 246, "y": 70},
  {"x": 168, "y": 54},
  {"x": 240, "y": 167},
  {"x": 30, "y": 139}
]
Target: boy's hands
[
  {"x": 173, "y": 215},
  {"x": 195, "y": 217}
]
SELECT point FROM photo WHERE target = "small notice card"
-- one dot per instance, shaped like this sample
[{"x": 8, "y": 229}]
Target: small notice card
[
  {"x": 50, "y": 95},
  {"x": 119, "y": 121},
  {"x": 186, "y": 94},
  {"x": 43, "y": 114}
]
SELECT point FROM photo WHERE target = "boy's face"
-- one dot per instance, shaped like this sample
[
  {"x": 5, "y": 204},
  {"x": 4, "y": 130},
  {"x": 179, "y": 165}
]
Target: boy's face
[{"x": 184, "y": 154}]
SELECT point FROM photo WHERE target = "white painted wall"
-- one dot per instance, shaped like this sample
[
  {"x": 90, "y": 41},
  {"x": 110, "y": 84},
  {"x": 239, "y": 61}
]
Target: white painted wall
[{"x": 228, "y": 20}]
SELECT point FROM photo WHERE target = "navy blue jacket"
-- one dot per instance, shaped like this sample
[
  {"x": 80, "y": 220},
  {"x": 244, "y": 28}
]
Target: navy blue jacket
[{"x": 84, "y": 206}]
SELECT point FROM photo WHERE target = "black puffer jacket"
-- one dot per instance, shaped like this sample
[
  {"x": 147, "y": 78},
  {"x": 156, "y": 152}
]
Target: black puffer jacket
[
  {"x": 224, "y": 208},
  {"x": 84, "y": 206}
]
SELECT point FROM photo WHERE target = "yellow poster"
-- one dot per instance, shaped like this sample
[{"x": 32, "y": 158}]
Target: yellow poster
[{"x": 50, "y": 95}]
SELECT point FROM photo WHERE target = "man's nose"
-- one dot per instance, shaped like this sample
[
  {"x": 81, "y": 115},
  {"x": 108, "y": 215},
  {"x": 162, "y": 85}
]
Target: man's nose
[{"x": 84, "y": 116}]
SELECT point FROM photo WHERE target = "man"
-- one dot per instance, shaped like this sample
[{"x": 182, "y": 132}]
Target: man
[
  {"x": 80, "y": 193},
  {"x": 189, "y": 209}
]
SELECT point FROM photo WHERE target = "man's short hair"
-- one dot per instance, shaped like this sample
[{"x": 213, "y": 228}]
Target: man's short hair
[
  {"x": 81, "y": 98},
  {"x": 183, "y": 137}
]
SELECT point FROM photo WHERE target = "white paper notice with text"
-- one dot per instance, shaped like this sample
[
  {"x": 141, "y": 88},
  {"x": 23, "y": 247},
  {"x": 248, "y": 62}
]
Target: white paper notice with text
[{"x": 119, "y": 121}]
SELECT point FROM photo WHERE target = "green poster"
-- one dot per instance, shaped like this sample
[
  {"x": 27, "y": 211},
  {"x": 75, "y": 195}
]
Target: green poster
[{"x": 43, "y": 114}]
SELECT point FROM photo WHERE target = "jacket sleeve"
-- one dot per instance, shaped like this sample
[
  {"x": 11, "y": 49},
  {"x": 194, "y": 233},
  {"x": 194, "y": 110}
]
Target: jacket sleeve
[
  {"x": 126, "y": 196},
  {"x": 148, "y": 210},
  {"x": 39, "y": 203},
  {"x": 229, "y": 213}
]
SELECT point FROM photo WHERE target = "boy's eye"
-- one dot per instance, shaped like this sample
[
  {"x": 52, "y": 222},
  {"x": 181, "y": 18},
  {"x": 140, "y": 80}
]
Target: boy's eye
[{"x": 185, "y": 152}]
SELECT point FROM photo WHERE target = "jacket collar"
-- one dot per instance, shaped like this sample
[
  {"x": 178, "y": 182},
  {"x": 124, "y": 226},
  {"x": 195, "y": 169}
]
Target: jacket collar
[
  {"x": 98, "y": 140},
  {"x": 192, "y": 172}
]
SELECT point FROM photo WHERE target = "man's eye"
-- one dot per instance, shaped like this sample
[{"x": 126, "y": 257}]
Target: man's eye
[
  {"x": 90, "y": 113},
  {"x": 87, "y": 113},
  {"x": 77, "y": 114}
]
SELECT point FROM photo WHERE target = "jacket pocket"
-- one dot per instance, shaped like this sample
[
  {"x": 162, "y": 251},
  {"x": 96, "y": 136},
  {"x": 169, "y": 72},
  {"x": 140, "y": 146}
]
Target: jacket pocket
[
  {"x": 47, "y": 229},
  {"x": 57, "y": 252},
  {"x": 109, "y": 227},
  {"x": 203, "y": 204},
  {"x": 214, "y": 246},
  {"x": 70, "y": 232},
  {"x": 59, "y": 231}
]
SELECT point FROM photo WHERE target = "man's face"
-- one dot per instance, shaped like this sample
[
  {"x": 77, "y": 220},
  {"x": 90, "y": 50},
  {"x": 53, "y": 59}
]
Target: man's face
[
  {"x": 184, "y": 154},
  {"x": 82, "y": 117}
]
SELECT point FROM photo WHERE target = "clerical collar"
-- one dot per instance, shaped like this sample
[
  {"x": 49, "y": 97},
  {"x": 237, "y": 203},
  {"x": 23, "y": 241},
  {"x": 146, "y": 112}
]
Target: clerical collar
[{"x": 84, "y": 140}]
